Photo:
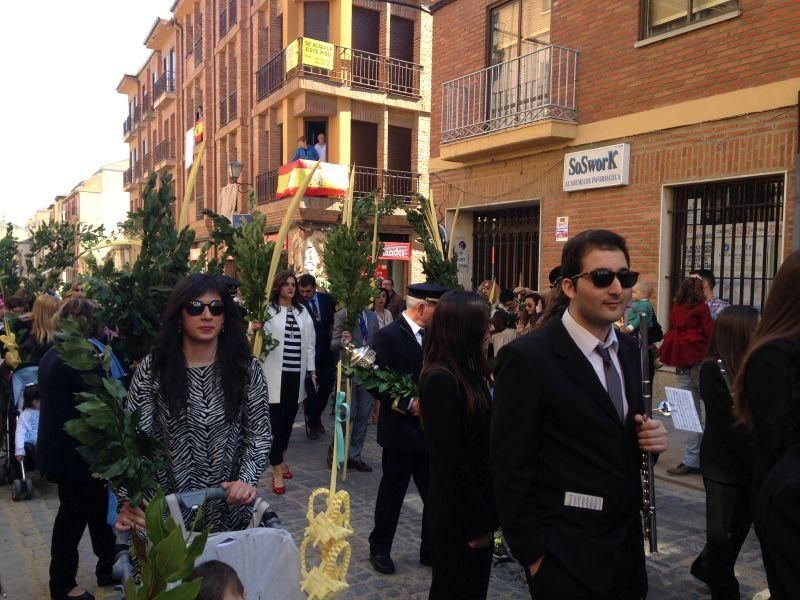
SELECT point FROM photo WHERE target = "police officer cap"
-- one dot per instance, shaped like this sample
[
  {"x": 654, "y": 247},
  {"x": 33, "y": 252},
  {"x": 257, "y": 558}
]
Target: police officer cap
[
  {"x": 228, "y": 281},
  {"x": 554, "y": 275},
  {"x": 430, "y": 292}
]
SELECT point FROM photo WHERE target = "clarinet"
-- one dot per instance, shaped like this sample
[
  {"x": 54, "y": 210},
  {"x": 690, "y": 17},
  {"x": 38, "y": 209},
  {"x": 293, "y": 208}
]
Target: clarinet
[{"x": 648, "y": 484}]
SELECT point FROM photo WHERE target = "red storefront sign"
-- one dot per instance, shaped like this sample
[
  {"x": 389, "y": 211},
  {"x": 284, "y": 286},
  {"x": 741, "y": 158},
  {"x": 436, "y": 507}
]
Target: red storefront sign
[{"x": 396, "y": 251}]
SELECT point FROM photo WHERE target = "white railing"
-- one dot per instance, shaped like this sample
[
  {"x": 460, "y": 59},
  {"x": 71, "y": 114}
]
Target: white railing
[{"x": 537, "y": 86}]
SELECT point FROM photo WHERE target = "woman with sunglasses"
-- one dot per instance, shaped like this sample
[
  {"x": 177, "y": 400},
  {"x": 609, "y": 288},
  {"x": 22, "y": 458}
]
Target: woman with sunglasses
[
  {"x": 455, "y": 407},
  {"x": 685, "y": 345},
  {"x": 205, "y": 397},
  {"x": 286, "y": 367}
]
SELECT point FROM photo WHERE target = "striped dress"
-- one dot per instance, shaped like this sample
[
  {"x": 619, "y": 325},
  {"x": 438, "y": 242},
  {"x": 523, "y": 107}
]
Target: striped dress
[
  {"x": 201, "y": 448},
  {"x": 292, "y": 350}
]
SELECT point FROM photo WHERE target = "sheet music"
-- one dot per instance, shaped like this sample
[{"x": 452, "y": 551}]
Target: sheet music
[{"x": 684, "y": 413}]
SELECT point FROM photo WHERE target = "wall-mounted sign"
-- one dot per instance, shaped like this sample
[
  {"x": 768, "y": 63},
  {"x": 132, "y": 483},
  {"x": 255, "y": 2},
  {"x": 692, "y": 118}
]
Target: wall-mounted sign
[
  {"x": 562, "y": 229},
  {"x": 312, "y": 53},
  {"x": 396, "y": 251},
  {"x": 238, "y": 220},
  {"x": 597, "y": 168},
  {"x": 291, "y": 54}
]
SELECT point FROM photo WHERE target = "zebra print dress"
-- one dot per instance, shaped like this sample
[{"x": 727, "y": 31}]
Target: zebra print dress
[{"x": 202, "y": 449}]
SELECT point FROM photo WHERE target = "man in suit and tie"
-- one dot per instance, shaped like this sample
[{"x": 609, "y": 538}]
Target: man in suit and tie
[
  {"x": 398, "y": 347},
  {"x": 568, "y": 431},
  {"x": 361, "y": 400},
  {"x": 321, "y": 306}
]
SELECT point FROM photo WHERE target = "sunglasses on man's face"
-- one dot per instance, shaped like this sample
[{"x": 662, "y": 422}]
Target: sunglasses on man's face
[
  {"x": 195, "y": 308},
  {"x": 603, "y": 278}
]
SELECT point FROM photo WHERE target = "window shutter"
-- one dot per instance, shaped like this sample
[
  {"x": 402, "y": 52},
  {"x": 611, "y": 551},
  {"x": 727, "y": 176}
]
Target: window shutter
[
  {"x": 399, "y": 149},
  {"x": 315, "y": 20},
  {"x": 363, "y": 144},
  {"x": 366, "y": 30},
  {"x": 401, "y": 40}
]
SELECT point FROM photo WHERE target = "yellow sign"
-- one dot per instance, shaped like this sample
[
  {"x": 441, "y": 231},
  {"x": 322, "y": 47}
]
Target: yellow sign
[
  {"x": 317, "y": 54},
  {"x": 291, "y": 56}
]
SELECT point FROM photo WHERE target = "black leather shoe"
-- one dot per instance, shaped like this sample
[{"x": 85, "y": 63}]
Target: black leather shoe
[
  {"x": 682, "y": 470},
  {"x": 382, "y": 563},
  {"x": 358, "y": 465}
]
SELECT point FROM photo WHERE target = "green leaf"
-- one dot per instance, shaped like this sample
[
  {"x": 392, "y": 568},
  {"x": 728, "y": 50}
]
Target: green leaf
[
  {"x": 154, "y": 518},
  {"x": 170, "y": 553},
  {"x": 185, "y": 591}
]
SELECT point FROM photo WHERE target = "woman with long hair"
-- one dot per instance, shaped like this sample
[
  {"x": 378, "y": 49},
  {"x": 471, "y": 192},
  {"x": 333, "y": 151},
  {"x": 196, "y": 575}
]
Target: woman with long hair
[
  {"x": 36, "y": 330},
  {"x": 379, "y": 308},
  {"x": 83, "y": 499},
  {"x": 455, "y": 407},
  {"x": 533, "y": 308},
  {"x": 726, "y": 454},
  {"x": 204, "y": 396},
  {"x": 685, "y": 345},
  {"x": 767, "y": 395},
  {"x": 286, "y": 367}
]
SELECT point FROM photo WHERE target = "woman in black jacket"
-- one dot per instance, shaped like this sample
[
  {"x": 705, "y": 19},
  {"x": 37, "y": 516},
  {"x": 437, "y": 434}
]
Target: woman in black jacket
[
  {"x": 726, "y": 454},
  {"x": 456, "y": 407},
  {"x": 768, "y": 399},
  {"x": 83, "y": 500}
]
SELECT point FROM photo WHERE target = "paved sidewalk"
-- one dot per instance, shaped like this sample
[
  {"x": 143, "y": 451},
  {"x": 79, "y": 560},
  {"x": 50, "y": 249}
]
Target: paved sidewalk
[{"x": 25, "y": 529}]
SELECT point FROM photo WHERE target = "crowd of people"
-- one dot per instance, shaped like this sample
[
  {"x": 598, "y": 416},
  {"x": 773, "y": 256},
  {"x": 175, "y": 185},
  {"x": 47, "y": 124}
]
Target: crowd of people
[{"x": 529, "y": 425}]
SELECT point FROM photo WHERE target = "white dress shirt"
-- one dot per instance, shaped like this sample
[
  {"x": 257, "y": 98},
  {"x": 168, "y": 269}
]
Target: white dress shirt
[
  {"x": 322, "y": 150},
  {"x": 587, "y": 343},
  {"x": 415, "y": 329}
]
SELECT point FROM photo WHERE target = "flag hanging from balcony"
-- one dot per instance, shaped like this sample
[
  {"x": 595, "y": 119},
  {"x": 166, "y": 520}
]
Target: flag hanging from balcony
[{"x": 329, "y": 181}]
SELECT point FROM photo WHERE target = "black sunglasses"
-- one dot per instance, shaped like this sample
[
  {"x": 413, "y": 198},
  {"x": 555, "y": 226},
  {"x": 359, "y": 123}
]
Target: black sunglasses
[
  {"x": 195, "y": 308},
  {"x": 603, "y": 278}
]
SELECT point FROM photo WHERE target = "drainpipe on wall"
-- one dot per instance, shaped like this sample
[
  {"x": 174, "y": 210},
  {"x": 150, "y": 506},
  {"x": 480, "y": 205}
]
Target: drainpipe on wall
[{"x": 796, "y": 227}]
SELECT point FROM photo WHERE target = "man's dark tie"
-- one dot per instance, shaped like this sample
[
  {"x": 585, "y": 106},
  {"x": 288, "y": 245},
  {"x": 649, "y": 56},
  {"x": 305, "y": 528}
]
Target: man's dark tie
[
  {"x": 613, "y": 383},
  {"x": 314, "y": 309},
  {"x": 422, "y": 336}
]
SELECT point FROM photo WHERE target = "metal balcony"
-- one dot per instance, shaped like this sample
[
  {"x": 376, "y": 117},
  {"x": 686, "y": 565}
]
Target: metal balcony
[
  {"x": 354, "y": 68},
  {"x": 164, "y": 155},
  {"x": 388, "y": 182},
  {"x": 164, "y": 90},
  {"x": 128, "y": 180},
  {"x": 127, "y": 129},
  {"x": 536, "y": 87},
  {"x": 198, "y": 51},
  {"x": 266, "y": 186}
]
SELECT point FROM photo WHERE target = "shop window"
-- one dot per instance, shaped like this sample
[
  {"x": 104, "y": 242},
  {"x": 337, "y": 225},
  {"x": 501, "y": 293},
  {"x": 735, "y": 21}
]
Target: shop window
[{"x": 661, "y": 16}]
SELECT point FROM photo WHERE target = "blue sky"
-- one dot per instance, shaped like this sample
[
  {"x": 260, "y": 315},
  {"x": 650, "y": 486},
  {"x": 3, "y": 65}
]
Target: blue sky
[{"x": 60, "y": 115}]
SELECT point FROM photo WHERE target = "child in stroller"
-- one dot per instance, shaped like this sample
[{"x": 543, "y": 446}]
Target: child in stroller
[{"x": 27, "y": 425}]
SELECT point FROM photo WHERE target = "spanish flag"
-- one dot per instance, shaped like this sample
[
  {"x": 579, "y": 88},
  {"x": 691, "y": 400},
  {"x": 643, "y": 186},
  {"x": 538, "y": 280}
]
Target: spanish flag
[
  {"x": 199, "y": 130},
  {"x": 330, "y": 180}
]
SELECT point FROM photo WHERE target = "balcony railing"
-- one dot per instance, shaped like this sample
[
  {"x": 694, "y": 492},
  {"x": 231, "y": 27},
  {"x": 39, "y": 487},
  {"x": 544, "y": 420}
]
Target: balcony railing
[
  {"x": 223, "y": 22},
  {"x": 127, "y": 126},
  {"x": 223, "y": 111},
  {"x": 267, "y": 186},
  {"x": 137, "y": 171},
  {"x": 164, "y": 151},
  {"x": 233, "y": 110},
  {"x": 355, "y": 68},
  {"x": 198, "y": 51},
  {"x": 127, "y": 177},
  {"x": 164, "y": 84},
  {"x": 534, "y": 87},
  {"x": 232, "y": 13},
  {"x": 147, "y": 108},
  {"x": 400, "y": 184},
  {"x": 147, "y": 166}
]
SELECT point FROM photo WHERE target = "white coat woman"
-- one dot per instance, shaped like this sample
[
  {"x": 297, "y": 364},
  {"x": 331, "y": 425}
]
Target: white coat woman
[{"x": 286, "y": 368}]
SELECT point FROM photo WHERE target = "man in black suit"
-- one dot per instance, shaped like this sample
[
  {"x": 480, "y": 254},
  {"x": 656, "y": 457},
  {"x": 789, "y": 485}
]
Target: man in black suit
[
  {"x": 398, "y": 347},
  {"x": 322, "y": 307},
  {"x": 568, "y": 432}
]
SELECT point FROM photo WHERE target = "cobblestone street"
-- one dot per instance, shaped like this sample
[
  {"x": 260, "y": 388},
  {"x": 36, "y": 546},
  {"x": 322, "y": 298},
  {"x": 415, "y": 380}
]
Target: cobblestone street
[{"x": 25, "y": 533}]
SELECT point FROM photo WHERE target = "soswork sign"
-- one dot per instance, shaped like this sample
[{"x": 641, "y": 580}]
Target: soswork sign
[{"x": 597, "y": 168}]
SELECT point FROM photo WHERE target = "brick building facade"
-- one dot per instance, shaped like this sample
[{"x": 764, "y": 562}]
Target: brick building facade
[
  {"x": 249, "y": 65},
  {"x": 704, "y": 97}
]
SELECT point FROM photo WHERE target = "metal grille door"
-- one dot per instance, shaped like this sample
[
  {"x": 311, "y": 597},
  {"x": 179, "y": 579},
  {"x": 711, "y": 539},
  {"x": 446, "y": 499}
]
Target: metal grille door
[
  {"x": 733, "y": 228},
  {"x": 506, "y": 247}
]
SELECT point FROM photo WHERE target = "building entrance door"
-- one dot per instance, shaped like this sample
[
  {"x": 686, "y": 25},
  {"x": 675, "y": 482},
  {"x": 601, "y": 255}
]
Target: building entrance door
[
  {"x": 734, "y": 229},
  {"x": 506, "y": 247}
]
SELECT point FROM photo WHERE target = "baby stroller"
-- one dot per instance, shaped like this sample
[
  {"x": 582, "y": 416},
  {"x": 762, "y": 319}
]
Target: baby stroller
[
  {"x": 11, "y": 470},
  {"x": 264, "y": 554}
]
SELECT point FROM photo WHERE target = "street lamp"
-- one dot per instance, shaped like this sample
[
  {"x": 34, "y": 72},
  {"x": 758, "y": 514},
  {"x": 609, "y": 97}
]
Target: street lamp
[{"x": 234, "y": 172}]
